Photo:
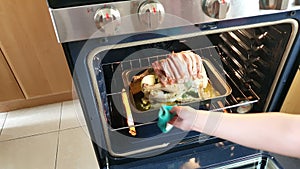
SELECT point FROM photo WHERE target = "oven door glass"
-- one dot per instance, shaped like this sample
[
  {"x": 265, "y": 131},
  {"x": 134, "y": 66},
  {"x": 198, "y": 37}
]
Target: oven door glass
[{"x": 223, "y": 155}]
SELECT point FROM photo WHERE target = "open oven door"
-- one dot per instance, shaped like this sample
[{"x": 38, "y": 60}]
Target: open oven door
[{"x": 246, "y": 65}]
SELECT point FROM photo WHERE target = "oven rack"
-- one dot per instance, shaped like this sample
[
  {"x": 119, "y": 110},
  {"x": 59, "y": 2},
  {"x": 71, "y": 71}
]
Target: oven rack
[{"x": 238, "y": 97}]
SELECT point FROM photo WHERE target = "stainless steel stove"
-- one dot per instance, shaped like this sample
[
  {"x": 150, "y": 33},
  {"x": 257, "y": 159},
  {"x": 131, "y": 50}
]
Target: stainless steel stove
[
  {"x": 82, "y": 22},
  {"x": 251, "y": 51}
]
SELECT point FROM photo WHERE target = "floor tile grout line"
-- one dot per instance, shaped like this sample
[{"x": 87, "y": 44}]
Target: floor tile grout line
[
  {"x": 38, "y": 134},
  {"x": 60, "y": 118},
  {"x": 1, "y": 129},
  {"x": 70, "y": 128},
  {"x": 57, "y": 141},
  {"x": 57, "y": 149}
]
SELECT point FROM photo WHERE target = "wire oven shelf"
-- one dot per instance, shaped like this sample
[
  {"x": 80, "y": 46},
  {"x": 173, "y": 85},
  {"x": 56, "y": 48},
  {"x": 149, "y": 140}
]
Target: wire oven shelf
[{"x": 112, "y": 73}]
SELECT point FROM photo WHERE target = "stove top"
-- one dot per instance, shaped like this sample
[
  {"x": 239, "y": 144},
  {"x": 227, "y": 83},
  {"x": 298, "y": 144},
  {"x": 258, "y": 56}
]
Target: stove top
[{"x": 71, "y": 3}]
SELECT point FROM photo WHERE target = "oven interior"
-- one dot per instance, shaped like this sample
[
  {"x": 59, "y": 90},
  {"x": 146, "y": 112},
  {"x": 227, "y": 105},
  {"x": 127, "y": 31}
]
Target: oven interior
[{"x": 247, "y": 59}]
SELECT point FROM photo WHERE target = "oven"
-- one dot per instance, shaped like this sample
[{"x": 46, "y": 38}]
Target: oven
[{"x": 250, "y": 51}]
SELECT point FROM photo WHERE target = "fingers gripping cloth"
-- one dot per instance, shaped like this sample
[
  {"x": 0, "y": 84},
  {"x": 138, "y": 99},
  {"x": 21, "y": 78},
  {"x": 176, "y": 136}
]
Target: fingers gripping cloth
[{"x": 164, "y": 116}]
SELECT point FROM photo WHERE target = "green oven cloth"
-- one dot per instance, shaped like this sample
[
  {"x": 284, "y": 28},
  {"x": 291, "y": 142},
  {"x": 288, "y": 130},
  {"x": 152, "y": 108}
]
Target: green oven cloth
[{"x": 164, "y": 116}]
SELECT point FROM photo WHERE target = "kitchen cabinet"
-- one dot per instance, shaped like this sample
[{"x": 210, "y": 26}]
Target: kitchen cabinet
[
  {"x": 291, "y": 103},
  {"x": 34, "y": 56},
  {"x": 9, "y": 88}
]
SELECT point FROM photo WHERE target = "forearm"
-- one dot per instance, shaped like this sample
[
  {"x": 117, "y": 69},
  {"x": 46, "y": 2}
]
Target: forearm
[{"x": 275, "y": 132}]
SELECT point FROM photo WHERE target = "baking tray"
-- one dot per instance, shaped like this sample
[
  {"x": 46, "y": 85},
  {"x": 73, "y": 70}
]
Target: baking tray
[{"x": 217, "y": 84}]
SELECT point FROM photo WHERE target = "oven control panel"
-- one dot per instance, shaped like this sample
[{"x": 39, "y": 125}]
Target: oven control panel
[
  {"x": 105, "y": 15},
  {"x": 216, "y": 8},
  {"x": 151, "y": 13},
  {"x": 134, "y": 16},
  {"x": 278, "y": 4},
  {"x": 148, "y": 14}
]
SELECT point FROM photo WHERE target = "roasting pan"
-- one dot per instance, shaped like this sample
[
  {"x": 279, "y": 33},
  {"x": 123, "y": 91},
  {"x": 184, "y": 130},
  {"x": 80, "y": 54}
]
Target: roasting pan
[{"x": 218, "y": 89}]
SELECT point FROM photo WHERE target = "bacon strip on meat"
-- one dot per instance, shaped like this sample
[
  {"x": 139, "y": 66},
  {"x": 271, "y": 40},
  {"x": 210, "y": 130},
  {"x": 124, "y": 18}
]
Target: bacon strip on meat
[
  {"x": 159, "y": 72},
  {"x": 179, "y": 68},
  {"x": 194, "y": 62},
  {"x": 168, "y": 71},
  {"x": 174, "y": 69},
  {"x": 187, "y": 58}
]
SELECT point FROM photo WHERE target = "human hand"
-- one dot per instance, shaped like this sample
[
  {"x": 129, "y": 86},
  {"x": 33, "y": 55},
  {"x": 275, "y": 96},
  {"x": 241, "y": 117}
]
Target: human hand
[{"x": 187, "y": 118}]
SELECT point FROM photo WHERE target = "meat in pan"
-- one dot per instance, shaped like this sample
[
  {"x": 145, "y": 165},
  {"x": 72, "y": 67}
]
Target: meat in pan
[{"x": 180, "y": 77}]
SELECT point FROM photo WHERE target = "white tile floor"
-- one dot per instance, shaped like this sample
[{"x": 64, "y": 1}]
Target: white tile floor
[{"x": 46, "y": 137}]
